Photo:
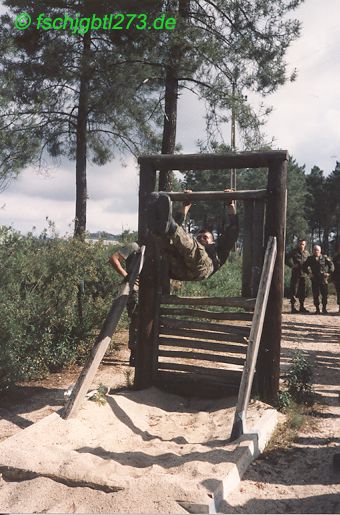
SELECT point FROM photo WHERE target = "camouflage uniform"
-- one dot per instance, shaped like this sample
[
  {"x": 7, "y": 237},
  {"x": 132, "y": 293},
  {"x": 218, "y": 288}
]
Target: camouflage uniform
[
  {"x": 295, "y": 261},
  {"x": 128, "y": 252},
  {"x": 336, "y": 275},
  {"x": 318, "y": 267},
  {"x": 189, "y": 260}
]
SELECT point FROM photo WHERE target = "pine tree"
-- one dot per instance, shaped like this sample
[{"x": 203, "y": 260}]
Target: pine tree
[{"x": 78, "y": 95}]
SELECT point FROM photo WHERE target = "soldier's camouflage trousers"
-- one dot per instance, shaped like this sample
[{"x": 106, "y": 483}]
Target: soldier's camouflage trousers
[
  {"x": 297, "y": 288},
  {"x": 187, "y": 259},
  {"x": 132, "y": 310},
  {"x": 319, "y": 288}
]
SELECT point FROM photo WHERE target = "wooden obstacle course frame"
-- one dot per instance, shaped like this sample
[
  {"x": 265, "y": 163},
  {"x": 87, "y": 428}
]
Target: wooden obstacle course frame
[{"x": 275, "y": 197}]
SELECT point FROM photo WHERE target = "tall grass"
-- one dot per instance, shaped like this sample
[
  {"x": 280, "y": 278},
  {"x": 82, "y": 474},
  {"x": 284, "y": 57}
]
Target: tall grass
[{"x": 226, "y": 282}]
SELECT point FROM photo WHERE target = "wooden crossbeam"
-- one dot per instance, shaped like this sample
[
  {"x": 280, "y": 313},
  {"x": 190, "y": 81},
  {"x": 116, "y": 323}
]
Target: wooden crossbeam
[
  {"x": 216, "y": 372},
  {"x": 204, "y": 335},
  {"x": 205, "y": 326},
  {"x": 198, "y": 384},
  {"x": 233, "y": 302},
  {"x": 200, "y": 356},
  {"x": 201, "y": 313},
  {"x": 218, "y": 195},
  {"x": 239, "y": 348},
  {"x": 212, "y": 161}
]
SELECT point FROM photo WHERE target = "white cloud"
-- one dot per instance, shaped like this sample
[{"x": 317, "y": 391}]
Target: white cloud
[
  {"x": 112, "y": 203},
  {"x": 305, "y": 121}
]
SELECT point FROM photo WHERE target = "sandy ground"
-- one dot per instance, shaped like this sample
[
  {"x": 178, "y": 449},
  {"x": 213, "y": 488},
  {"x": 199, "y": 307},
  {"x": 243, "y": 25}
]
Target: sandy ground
[{"x": 297, "y": 479}]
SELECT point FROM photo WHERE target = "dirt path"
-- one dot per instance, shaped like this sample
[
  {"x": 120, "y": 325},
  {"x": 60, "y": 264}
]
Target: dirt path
[
  {"x": 295, "y": 479},
  {"x": 301, "y": 478}
]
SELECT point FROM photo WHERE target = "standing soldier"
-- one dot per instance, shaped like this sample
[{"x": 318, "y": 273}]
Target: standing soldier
[
  {"x": 295, "y": 260},
  {"x": 336, "y": 275},
  {"x": 319, "y": 267}
]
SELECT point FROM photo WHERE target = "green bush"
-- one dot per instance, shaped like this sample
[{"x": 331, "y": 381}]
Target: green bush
[
  {"x": 55, "y": 294},
  {"x": 299, "y": 383}
]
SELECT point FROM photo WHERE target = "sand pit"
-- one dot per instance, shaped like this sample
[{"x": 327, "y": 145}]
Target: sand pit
[{"x": 150, "y": 450}]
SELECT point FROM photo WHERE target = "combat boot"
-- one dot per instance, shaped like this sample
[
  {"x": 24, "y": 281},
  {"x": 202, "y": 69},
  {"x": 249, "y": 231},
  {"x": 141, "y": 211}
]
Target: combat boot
[
  {"x": 159, "y": 214},
  {"x": 303, "y": 309},
  {"x": 317, "y": 310},
  {"x": 324, "y": 310}
]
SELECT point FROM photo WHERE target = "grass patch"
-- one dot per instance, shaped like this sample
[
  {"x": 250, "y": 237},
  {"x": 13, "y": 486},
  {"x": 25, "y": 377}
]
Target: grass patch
[{"x": 298, "y": 417}]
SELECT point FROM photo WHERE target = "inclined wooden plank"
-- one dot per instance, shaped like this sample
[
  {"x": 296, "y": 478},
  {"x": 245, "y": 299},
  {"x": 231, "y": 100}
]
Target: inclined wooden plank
[
  {"x": 204, "y": 345},
  {"x": 206, "y": 326},
  {"x": 215, "y": 372},
  {"x": 204, "y": 335},
  {"x": 232, "y": 302},
  {"x": 219, "y": 358},
  {"x": 202, "y": 313},
  {"x": 239, "y": 425},
  {"x": 103, "y": 341}
]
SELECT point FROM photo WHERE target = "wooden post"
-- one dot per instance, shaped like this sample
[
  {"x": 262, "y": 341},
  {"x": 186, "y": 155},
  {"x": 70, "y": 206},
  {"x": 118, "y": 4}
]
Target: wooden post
[
  {"x": 257, "y": 245},
  {"x": 247, "y": 248},
  {"x": 147, "y": 284},
  {"x": 268, "y": 362}
]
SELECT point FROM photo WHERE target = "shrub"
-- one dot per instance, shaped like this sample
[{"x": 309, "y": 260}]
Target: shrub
[
  {"x": 299, "y": 383},
  {"x": 55, "y": 294}
]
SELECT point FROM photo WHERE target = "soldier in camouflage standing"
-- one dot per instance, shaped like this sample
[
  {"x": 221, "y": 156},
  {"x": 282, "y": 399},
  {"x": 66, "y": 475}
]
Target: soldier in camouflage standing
[
  {"x": 319, "y": 267},
  {"x": 336, "y": 274},
  {"x": 295, "y": 260}
]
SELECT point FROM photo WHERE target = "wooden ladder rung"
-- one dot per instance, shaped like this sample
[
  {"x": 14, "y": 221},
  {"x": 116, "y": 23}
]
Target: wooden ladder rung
[
  {"x": 205, "y": 326},
  {"x": 203, "y": 313},
  {"x": 216, "y": 372},
  {"x": 200, "y": 356},
  {"x": 233, "y": 302},
  {"x": 203, "y": 335},
  {"x": 239, "y": 348}
]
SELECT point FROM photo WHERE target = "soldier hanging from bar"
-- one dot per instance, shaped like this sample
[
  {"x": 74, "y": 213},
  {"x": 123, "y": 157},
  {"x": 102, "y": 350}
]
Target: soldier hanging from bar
[{"x": 189, "y": 258}]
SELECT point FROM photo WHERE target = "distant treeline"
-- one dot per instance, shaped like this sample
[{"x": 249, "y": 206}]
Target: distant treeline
[{"x": 313, "y": 207}]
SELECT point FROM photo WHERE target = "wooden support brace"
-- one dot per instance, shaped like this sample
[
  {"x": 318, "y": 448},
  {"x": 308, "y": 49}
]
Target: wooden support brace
[
  {"x": 239, "y": 425},
  {"x": 103, "y": 341}
]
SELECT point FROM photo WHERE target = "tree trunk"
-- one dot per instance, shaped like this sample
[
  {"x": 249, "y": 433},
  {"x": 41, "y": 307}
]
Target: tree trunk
[
  {"x": 81, "y": 151},
  {"x": 170, "y": 123},
  {"x": 176, "y": 53}
]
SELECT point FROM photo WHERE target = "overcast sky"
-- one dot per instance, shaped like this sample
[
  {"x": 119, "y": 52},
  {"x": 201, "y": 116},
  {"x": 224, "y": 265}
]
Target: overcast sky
[{"x": 305, "y": 121}]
